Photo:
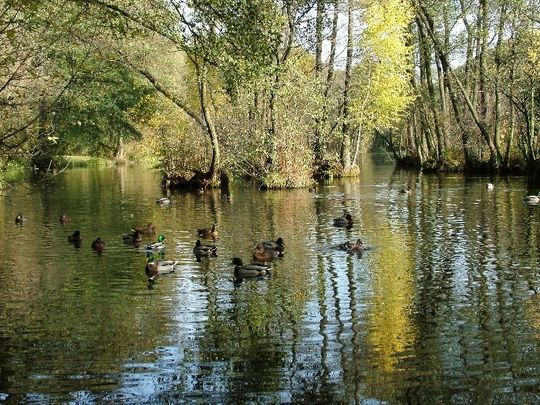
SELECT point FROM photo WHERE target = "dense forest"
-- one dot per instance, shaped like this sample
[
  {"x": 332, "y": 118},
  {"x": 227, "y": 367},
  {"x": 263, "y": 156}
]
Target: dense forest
[{"x": 280, "y": 91}]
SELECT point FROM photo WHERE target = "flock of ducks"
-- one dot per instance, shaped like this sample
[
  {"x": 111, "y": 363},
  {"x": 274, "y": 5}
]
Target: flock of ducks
[{"x": 262, "y": 256}]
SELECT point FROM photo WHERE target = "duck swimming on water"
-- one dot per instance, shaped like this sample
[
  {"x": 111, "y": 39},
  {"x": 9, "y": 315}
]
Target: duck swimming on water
[
  {"x": 242, "y": 270},
  {"x": 156, "y": 268},
  {"x": 345, "y": 221},
  {"x": 532, "y": 199}
]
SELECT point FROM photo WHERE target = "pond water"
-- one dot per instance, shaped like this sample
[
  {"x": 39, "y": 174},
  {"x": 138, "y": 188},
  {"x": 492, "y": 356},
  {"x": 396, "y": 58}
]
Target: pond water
[{"x": 441, "y": 309}]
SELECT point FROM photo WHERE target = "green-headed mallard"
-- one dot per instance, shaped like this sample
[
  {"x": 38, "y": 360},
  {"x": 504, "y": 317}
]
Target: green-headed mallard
[
  {"x": 155, "y": 267},
  {"x": 242, "y": 270},
  {"x": 132, "y": 238},
  {"x": 262, "y": 255},
  {"x": 532, "y": 199},
  {"x": 75, "y": 237},
  {"x": 278, "y": 245},
  {"x": 208, "y": 233},
  {"x": 98, "y": 245},
  {"x": 149, "y": 229},
  {"x": 201, "y": 250},
  {"x": 345, "y": 221},
  {"x": 156, "y": 246},
  {"x": 163, "y": 201},
  {"x": 20, "y": 219}
]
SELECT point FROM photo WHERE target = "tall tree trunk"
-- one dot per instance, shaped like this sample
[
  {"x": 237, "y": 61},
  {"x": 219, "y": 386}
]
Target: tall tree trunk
[
  {"x": 210, "y": 127},
  {"x": 425, "y": 65},
  {"x": 477, "y": 118},
  {"x": 346, "y": 142},
  {"x": 320, "y": 119},
  {"x": 498, "y": 118}
]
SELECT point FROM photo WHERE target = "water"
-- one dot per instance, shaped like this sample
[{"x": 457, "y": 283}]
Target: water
[{"x": 441, "y": 309}]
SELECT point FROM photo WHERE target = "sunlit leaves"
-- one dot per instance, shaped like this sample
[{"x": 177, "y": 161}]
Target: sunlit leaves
[{"x": 382, "y": 76}]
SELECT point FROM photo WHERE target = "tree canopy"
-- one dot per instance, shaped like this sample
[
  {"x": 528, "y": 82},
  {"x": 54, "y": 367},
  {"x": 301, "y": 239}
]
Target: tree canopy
[{"x": 271, "y": 90}]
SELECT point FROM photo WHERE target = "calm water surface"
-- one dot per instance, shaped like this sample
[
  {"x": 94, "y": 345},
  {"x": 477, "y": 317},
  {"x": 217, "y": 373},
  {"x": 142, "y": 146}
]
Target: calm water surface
[{"x": 441, "y": 309}]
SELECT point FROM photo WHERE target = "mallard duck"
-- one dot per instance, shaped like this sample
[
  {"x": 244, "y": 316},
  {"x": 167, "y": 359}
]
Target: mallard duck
[
  {"x": 344, "y": 221},
  {"x": 64, "y": 219},
  {"x": 132, "y": 238},
  {"x": 208, "y": 233},
  {"x": 405, "y": 190},
  {"x": 159, "y": 245},
  {"x": 163, "y": 201},
  {"x": 98, "y": 245},
  {"x": 20, "y": 219},
  {"x": 532, "y": 199},
  {"x": 356, "y": 247},
  {"x": 75, "y": 237},
  {"x": 149, "y": 229},
  {"x": 242, "y": 270},
  {"x": 262, "y": 255},
  {"x": 155, "y": 267},
  {"x": 201, "y": 250},
  {"x": 278, "y": 245}
]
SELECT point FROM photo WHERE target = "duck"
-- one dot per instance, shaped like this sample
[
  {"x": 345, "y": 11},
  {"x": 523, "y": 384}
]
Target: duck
[
  {"x": 132, "y": 238},
  {"x": 155, "y": 267},
  {"x": 207, "y": 233},
  {"x": 405, "y": 191},
  {"x": 164, "y": 200},
  {"x": 64, "y": 219},
  {"x": 242, "y": 270},
  {"x": 201, "y": 250},
  {"x": 278, "y": 245},
  {"x": 532, "y": 199},
  {"x": 20, "y": 219},
  {"x": 159, "y": 245},
  {"x": 346, "y": 221},
  {"x": 262, "y": 255},
  {"x": 98, "y": 245},
  {"x": 75, "y": 237},
  {"x": 490, "y": 186},
  {"x": 353, "y": 247},
  {"x": 148, "y": 229}
]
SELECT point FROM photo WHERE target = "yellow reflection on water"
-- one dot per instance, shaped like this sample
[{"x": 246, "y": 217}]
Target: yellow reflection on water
[{"x": 390, "y": 323}]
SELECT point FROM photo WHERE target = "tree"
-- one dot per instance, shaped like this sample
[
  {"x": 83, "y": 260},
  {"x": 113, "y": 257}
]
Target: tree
[
  {"x": 233, "y": 40},
  {"x": 382, "y": 90}
]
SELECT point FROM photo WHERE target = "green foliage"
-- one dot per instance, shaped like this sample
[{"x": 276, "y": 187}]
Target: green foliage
[
  {"x": 104, "y": 103},
  {"x": 86, "y": 161},
  {"x": 237, "y": 37},
  {"x": 246, "y": 137}
]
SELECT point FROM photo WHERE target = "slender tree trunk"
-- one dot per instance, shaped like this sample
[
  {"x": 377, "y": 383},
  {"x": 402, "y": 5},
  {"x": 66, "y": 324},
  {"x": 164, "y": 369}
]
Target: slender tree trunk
[
  {"x": 479, "y": 122},
  {"x": 425, "y": 61},
  {"x": 497, "y": 79},
  {"x": 211, "y": 129},
  {"x": 119, "y": 153},
  {"x": 319, "y": 22},
  {"x": 346, "y": 142},
  {"x": 320, "y": 119}
]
